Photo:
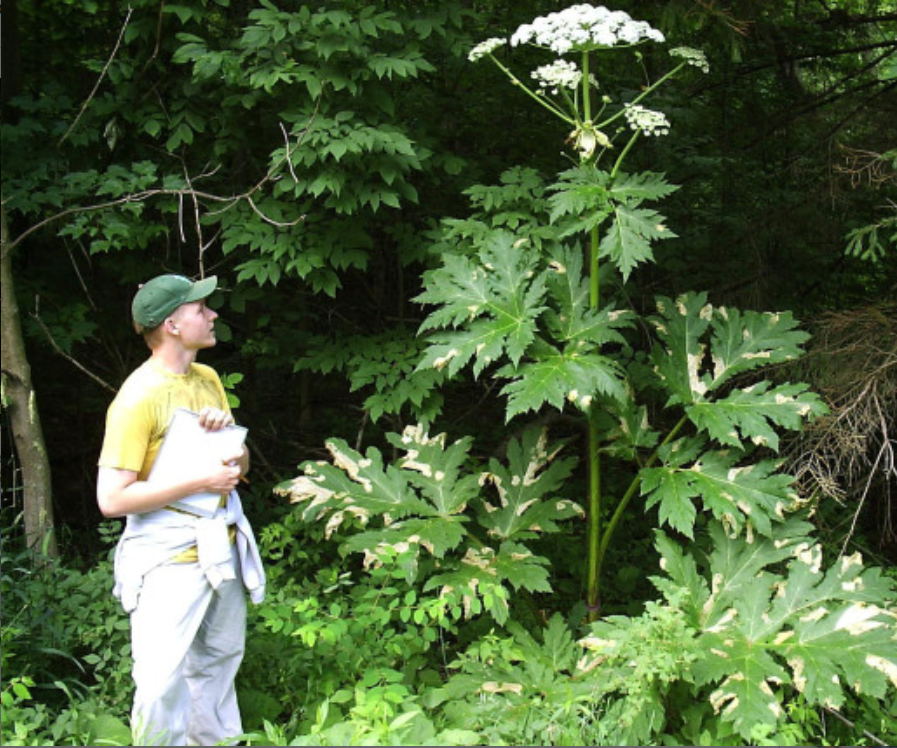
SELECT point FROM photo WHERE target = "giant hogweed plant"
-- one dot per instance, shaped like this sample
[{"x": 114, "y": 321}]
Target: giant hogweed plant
[
  {"x": 521, "y": 302},
  {"x": 530, "y": 309}
]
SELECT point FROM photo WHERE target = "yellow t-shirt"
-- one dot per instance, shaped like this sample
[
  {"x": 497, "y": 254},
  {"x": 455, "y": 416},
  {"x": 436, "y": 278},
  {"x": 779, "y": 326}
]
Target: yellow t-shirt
[{"x": 138, "y": 417}]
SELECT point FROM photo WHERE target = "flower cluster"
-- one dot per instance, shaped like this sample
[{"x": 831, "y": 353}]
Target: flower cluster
[
  {"x": 484, "y": 48},
  {"x": 646, "y": 120},
  {"x": 694, "y": 57},
  {"x": 559, "y": 74},
  {"x": 584, "y": 27}
]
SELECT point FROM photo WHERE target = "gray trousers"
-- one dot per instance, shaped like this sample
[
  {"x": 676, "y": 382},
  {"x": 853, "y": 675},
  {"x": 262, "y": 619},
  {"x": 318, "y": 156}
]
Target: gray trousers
[{"x": 187, "y": 641}]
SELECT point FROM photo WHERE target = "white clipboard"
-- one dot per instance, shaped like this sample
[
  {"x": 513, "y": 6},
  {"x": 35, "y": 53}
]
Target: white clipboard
[{"x": 187, "y": 445}]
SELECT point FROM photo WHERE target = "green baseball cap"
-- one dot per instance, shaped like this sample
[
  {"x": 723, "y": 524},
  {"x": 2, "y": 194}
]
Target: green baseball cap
[{"x": 158, "y": 298}]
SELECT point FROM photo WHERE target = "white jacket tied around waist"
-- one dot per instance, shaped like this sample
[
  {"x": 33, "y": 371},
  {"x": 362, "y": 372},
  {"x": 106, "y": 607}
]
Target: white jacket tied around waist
[{"x": 154, "y": 538}]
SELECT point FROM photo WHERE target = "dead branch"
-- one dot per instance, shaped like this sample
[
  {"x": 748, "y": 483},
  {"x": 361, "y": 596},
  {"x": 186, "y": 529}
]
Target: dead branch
[
  {"x": 852, "y": 364},
  {"x": 100, "y": 79},
  {"x": 56, "y": 347}
]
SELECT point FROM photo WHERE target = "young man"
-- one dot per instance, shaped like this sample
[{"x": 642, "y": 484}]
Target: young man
[{"x": 180, "y": 576}]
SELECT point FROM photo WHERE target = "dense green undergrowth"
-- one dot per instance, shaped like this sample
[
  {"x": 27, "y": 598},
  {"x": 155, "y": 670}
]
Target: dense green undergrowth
[{"x": 340, "y": 655}]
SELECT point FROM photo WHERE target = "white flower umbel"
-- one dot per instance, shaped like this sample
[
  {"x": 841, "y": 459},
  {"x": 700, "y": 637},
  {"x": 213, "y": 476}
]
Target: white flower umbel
[
  {"x": 559, "y": 74},
  {"x": 646, "y": 120},
  {"x": 584, "y": 27},
  {"x": 485, "y": 48},
  {"x": 694, "y": 57}
]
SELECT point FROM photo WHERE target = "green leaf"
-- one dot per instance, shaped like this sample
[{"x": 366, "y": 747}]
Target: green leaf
[
  {"x": 628, "y": 240},
  {"x": 581, "y": 192},
  {"x": 681, "y": 573},
  {"x": 745, "y": 340},
  {"x": 735, "y": 494},
  {"x": 678, "y": 361},
  {"x": 751, "y": 413},
  {"x": 437, "y": 534},
  {"x": 503, "y": 294},
  {"x": 525, "y": 487},
  {"x": 627, "y": 429},
  {"x": 574, "y": 319},
  {"x": 557, "y": 377},
  {"x": 675, "y": 492},
  {"x": 423, "y": 505},
  {"x": 479, "y": 578},
  {"x": 753, "y": 492},
  {"x": 763, "y": 633},
  {"x": 633, "y": 188},
  {"x": 435, "y": 469}
]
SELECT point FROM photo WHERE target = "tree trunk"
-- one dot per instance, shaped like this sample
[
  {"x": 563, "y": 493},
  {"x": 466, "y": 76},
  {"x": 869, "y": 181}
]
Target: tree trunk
[{"x": 20, "y": 400}]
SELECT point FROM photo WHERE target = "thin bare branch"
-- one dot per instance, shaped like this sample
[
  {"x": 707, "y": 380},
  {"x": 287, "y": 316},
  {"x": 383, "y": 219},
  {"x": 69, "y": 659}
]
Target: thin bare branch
[
  {"x": 99, "y": 380},
  {"x": 100, "y": 79}
]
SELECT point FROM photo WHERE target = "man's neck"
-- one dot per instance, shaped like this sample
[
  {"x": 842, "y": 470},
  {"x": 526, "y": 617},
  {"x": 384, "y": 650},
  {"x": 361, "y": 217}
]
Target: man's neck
[{"x": 174, "y": 359}]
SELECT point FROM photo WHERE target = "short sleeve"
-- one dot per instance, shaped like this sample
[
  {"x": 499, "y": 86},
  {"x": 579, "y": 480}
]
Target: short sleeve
[{"x": 129, "y": 431}]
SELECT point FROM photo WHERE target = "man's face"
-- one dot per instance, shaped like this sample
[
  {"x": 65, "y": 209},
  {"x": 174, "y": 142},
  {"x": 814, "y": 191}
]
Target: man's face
[{"x": 196, "y": 325}]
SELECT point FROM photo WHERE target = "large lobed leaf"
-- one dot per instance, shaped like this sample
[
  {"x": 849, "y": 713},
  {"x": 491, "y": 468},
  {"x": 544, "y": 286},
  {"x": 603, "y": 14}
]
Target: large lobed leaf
[
  {"x": 585, "y": 196},
  {"x": 753, "y": 493},
  {"x": 499, "y": 298},
  {"x": 530, "y": 314},
  {"x": 764, "y": 632},
  {"x": 525, "y": 487},
  {"x": 754, "y": 412},
  {"x": 556, "y": 377},
  {"x": 628, "y": 240},
  {"x": 424, "y": 503},
  {"x": 739, "y": 342}
]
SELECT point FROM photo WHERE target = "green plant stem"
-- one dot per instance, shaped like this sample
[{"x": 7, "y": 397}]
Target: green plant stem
[
  {"x": 642, "y": 95},
  {"x": 619, "y": 161},
  {"x": 541, "y": 99},
  {"x": 593, "y": 592},
  {"x": 630, "y": 492},
  {"x": 593, "y": 600}
]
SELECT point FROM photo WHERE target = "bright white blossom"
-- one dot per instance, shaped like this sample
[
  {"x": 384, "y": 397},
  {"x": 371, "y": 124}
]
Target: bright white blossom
[
  {"x": 584, "y": 27},
  {"x": 646, "y": 120},
  {"x": 559, "y": 74},
  {"x": 484, "y": 48},
  {"x": 694, "y": 57}
]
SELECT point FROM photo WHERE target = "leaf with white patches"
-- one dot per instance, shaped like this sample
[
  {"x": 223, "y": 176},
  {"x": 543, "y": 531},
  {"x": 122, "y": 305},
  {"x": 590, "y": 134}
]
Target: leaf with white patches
[
  {"x": 495, "y": 300},
  {"x": 438, "y": 535},
  {"x": 435, "y": 469},
  {"x": 700, "y": 347},
  {"x": 573, "y": 320},
  {"x": 679, "y": 356},
  {"x": 753, "y": 493},
  {"x": 560, "y": 377},
  {"x": 745, "y": 340},
  {"x": 462, "y": 288},
  {"x": 753, "y": 412},
  {"x": 424, "y": 505},
  {"x": 356, "y": 484},
  {"x": 680, "y": 572},
  {"x": 525, "y": 489},
  {"x": 480, "y": 578},
  {"x": 765, "y": 634},
  {"x": 733, "y": 493},
  {"x": 626, "y": 429}
]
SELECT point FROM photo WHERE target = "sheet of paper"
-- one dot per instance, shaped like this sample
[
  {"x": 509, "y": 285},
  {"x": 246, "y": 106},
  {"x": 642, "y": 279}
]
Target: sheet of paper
[{"x": 188, "y": 445}]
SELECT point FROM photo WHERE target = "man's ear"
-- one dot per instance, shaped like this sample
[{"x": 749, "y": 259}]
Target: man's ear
[{"x": 171, "y": 326}]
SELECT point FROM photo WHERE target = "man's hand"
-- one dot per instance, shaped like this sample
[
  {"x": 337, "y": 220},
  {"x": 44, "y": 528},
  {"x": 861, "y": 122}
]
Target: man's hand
[
  {"x": 223, "y": 480},
  {"x": 213, "y": 419}
]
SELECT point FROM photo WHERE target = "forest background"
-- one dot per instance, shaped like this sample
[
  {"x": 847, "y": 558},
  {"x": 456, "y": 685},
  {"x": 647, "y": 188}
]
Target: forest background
[{"x": 663, "y": 542}]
